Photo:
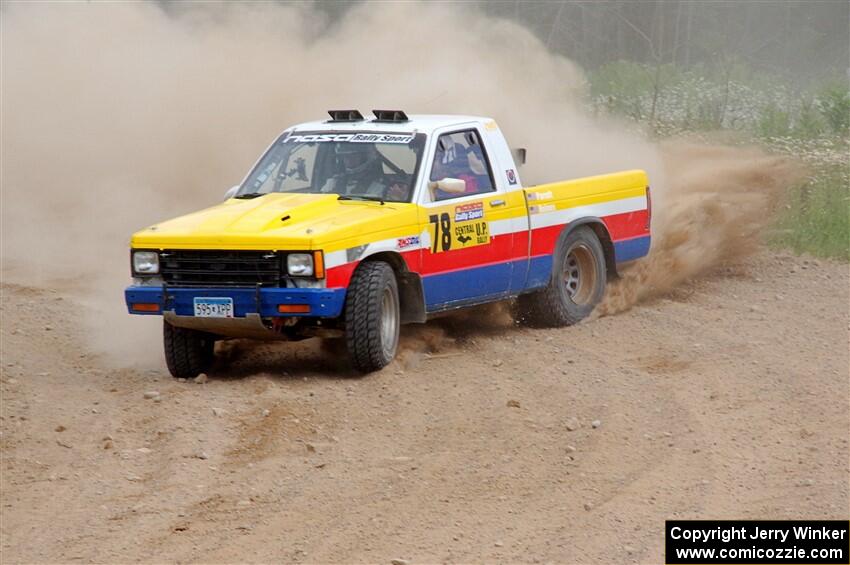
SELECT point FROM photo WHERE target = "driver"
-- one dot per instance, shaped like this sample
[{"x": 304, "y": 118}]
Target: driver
[
  {"x": 361, "y": 171},
  {"x": 453, "y": 162}
]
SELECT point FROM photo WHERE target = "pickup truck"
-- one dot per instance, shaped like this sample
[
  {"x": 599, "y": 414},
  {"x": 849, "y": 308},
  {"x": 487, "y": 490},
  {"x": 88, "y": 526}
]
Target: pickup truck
[{"x": 350, "y": 227}]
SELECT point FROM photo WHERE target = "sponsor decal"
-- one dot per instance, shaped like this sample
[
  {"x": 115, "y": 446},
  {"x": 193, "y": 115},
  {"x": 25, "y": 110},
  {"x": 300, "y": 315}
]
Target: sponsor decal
[
  {"x": 511, "y": 176},
  {"x": 409, "y": 241},
  {"x": 467, "y": 212},
  {"x": 475, "y": 233},
  {"x": 348, "y": 138},
  {"x": 539, "y": 195},
  {"x": 542, "y": 209}
]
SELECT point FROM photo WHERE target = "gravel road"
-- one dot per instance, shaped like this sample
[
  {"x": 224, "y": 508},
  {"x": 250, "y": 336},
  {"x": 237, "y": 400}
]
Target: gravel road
[{"x": 727, "y": 398}]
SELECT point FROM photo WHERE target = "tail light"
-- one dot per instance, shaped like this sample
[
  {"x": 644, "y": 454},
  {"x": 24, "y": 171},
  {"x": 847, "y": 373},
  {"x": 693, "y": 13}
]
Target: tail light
[{"x": 648, "y": 208}]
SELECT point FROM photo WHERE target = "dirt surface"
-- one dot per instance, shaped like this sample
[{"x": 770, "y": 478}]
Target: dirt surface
[{"x": 725, "y": 399}]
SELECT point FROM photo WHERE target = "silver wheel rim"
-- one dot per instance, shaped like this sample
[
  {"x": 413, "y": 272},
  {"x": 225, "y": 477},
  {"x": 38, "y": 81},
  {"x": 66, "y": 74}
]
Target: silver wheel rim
[
  {"x": 389, "y": 323},
  {"x": 580, "y": 274}
]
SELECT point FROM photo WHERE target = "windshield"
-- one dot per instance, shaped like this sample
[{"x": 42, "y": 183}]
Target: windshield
[{"x": 359, "y": 165}]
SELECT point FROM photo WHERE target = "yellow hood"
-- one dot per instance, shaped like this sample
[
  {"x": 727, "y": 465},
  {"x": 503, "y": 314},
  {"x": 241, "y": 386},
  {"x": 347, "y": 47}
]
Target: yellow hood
[{"x": 279, "y": 221}]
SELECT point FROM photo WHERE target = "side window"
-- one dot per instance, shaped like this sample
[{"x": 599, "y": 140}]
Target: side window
[{"x": 460, "y": 155}]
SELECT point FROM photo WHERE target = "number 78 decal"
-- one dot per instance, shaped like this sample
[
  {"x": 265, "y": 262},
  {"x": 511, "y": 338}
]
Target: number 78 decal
[
  {"x": 442, "y": 231},
  {"x": 464, "y": 234}
]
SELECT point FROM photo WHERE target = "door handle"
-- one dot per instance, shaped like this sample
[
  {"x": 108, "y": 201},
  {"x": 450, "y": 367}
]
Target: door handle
[{"x": 494, "y": 203}]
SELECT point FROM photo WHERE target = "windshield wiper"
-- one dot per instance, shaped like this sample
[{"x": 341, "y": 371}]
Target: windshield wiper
[
  {"x": 361, "y": 197},
  {"x": 250, "y": 195}
]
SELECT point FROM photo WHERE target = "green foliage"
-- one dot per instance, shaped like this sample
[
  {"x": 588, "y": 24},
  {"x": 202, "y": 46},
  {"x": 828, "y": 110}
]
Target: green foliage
[
  {"x": 718, "y": 97},
  {"x": 812, "y": 126},
  {"x": 834, "y": 100},
  {"x": 816, "y": 218},
  {"x": 621, "y": 78},
  {"x": 622, "y": 87},
  {"x": 809, "y": 124},
  {"x": 774, "y": 122}
]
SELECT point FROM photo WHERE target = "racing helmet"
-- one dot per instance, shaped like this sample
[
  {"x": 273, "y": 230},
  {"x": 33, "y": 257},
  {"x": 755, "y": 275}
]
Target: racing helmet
[{"x": 356, "y": 158}]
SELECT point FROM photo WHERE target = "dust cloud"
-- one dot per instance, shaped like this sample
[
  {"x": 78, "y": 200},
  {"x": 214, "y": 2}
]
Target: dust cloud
[
  {"x": 720, "y": 199},
  {"x": 117, "y": 115}
]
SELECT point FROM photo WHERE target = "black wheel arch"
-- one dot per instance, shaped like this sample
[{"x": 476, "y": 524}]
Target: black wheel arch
[{"x": 410, "y": 292}]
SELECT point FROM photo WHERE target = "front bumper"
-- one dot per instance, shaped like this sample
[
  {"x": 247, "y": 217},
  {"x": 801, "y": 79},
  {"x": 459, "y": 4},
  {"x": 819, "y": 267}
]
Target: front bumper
[{"x": 264, "y": 302}]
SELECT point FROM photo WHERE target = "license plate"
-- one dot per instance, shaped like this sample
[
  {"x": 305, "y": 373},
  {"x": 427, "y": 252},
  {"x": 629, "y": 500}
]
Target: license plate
[{"x": 213, "y": 307}]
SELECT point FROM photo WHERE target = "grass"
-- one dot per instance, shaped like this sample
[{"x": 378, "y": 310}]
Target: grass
[
  {"x": 812, "y": 125},
  {"x": 816, "y": 217}
]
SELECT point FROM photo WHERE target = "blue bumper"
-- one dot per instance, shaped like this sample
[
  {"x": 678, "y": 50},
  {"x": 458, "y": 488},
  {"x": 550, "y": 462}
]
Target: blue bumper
[{"x": 323, "y": 302}]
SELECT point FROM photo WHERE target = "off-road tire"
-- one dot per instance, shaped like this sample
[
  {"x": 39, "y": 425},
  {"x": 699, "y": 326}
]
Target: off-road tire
[
  {"x": 574, "y": 288},
  {"x": 188, "y": 353},
  {"x": 372, "y": 298}
]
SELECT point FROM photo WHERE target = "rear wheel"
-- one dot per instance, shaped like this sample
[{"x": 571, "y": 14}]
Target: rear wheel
[
  {"x": 372, "y": 316},
  {"x": 188, "y": 353},
  {"x": 576, "y": 286}
]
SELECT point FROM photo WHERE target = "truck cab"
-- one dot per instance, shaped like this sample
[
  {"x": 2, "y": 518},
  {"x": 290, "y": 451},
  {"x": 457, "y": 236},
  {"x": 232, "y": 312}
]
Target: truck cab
[{"x": 350, "y": 227}]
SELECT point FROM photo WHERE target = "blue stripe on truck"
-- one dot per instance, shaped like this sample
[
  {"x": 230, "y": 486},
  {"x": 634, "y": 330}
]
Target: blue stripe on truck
[
  {"x": 631, "y": 249},
  {"x": 480, "y": 284}
]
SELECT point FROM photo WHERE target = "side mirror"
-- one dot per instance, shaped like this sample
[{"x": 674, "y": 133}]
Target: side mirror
[
  {"x": 520, "y": 155},
  {"x": 448, "y": 185},
  {"x": 231, "y": 192}
]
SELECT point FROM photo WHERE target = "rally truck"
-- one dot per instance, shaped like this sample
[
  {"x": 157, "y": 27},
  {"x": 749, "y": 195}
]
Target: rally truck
[{"x": 350, "y": 227}]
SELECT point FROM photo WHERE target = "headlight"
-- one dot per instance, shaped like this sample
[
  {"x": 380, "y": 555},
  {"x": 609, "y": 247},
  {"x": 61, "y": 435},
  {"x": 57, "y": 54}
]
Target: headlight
[
  {"x": 299, "y": 264},
  {"x": 146, "y": 262}
]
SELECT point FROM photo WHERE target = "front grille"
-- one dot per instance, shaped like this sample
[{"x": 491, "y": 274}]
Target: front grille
[{"x": 220, "y": 268}]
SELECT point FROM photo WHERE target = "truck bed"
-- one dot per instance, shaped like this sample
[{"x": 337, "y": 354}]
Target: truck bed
[{"x": 619, "y": 200}]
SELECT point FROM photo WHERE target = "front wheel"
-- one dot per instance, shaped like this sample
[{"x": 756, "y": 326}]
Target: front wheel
[
  {"x": 372, "y": 316},
  {"x": 188, "y": 353},
  {"x": 576, "y": 286}
]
